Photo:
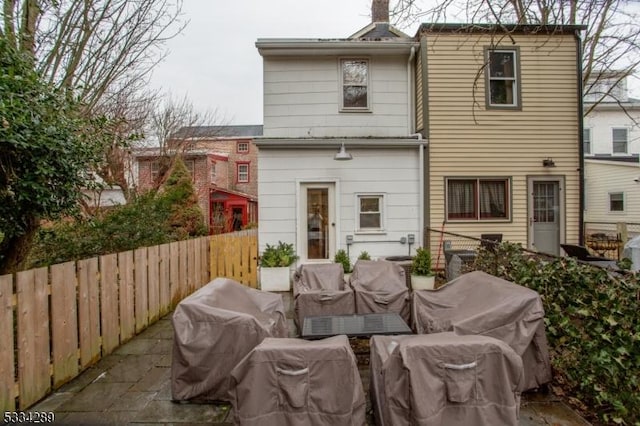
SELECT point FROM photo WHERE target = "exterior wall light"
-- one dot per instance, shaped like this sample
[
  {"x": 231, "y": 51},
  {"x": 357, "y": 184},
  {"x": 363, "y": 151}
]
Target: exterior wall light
[
  {"x": 548, "y": 162},
  {"x": 343, "y": 155}
]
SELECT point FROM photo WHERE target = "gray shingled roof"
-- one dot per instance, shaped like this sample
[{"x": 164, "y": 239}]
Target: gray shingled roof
[{"x": 251, "y": 130}]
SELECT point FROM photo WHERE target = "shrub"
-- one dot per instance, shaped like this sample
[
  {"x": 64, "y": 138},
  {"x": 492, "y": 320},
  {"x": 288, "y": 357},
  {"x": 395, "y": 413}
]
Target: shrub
[
  {"x": 593, "y": 328},
  {"x": 364, "y": 255},
  {"x": 422, "y": 262},
  {"x": 342, "y": 258},
  {"x": 281, "y": 255}
]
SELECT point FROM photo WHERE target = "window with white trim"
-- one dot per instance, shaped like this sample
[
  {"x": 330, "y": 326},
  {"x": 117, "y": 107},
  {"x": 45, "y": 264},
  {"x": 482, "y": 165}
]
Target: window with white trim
[
  {"x": 370, "y": 212},
  {"x": 502, "y": 78},
  {"x": 191, "y": 167},
  {"x": 355, "y": 84},
  {"x": 586, "y": 141},
  {"x": 213, "y": 171},
  {"x": 242, "y": 147},
  {"x": 616, "y": 202},
  {"x": 242, "y": 172},
  {"x": 620, "y": 139},
  {"x": 475, "y": 199},
  {"x": 155, "y": 170}
]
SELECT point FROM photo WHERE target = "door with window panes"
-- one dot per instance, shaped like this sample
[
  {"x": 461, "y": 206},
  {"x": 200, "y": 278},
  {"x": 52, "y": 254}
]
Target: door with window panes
[
  {"x": 317, "y": 218},
  {"x": 545, "y": 216}
]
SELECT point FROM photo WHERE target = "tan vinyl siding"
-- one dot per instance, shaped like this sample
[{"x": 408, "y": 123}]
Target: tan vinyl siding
[
  {"x": 466, "y": 139},
  {"x": 419, "y": 98}
]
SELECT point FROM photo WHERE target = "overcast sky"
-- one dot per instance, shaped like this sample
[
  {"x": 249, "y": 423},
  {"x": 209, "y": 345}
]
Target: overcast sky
[{"x": 215, "y": 63}]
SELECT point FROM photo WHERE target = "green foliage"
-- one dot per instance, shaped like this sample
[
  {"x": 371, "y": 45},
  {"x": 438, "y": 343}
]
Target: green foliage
[
  {"x": 364, "y": 255},
  {"x": 278, "y": 256},
  {"x": 592, "y": 324},
  {"x": 151, "y": 219},
  {"x": 422, "y": 262},
  {"x": 45, "y": 151},
  {"x": 342, "y": 258}
]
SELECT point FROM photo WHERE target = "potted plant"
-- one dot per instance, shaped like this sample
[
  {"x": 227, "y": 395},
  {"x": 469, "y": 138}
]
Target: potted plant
[
  {"x": 343, "y": 258},
  {"x": 275, "y": 265},
  {"x": 364, "y": 255},
  {"x": 422, "y": 277}
]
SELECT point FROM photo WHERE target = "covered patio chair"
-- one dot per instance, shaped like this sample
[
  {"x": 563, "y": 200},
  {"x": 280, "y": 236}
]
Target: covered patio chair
[
  {"x": 214, "y": 328},
  {"x": 444, "y": 379},
  {"x": 380, "y": 286},
  {"x": 479, "y": 303},
  {"x": 320, "y": 289},
  {"x": 299, "y": 382}
]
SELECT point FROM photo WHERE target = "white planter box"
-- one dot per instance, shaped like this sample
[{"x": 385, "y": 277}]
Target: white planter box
[
  {"x": 420, "y": 282},
  {"x": 275, "y": 279},
  {"x": 347, "y": 277}
]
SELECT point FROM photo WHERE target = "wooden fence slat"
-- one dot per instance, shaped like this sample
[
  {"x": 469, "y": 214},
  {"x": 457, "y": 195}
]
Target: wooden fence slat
[
  {"x": 213, "y": 256},
  {"x": 164, "y": 279},
  {"x": 126, "y": 295},
  {"x": 141, "y": 289},
  {"x": 89, "y": 311},
  {"x": 65, "y": 324},
  {"x": 174, "y": 273},
  {"x": 204, "y": 244},
  {"x": 109, "y": 303},
  {"x": 253, "y": 260},
  {"x": 183, "y": 270},
  {"x": 153, "y": 280},
  {"x": 197, "y": 265},
  {"x": 7, "y": 371},
  {"x": 34, "y": 379}
]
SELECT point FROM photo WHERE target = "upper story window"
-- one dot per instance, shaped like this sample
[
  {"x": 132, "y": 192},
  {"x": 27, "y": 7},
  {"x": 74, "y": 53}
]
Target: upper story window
[
  {"x": 620, "y": 138},
  {"x": 155, "y": 170},
  {"x": 191, "y": 166},
  {"x": 503, "y": 85},
  {"x": 370, "y": 212},
  {"x": 213, "y": 171},
  {"x": 242, "y": 172},
  {"x": 586, "y": 141},
  {"x": 242, "y": 147},
  {"x": 355, "y": 84},
  {"x": 616, "y": 202},
  {"x": 478, "y": 199}
]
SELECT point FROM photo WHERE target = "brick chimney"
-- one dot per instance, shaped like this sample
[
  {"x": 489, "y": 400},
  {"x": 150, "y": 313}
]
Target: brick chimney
[{"x": 380, "y": 11}]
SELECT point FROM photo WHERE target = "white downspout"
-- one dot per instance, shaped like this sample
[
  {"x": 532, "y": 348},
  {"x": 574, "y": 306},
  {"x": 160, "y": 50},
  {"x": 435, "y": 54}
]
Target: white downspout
[{"x": 410, "y": 121}]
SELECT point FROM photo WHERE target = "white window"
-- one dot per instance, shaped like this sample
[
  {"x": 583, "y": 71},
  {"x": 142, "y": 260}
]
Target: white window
[
  {"x": 620, "y": 137},
  {"x": 242, "y": 147},
  {"x": 243, "y": 172},
  {"x": 478, "y": 199},
  {"x": 586, "y": 141},
  {"x": 213, "y": 171},
  {"x": 370, "y": 212},
  {"x": 155, "y": 170},
  {"x": 355, "y": 84},
  {"x": 191, "y": 166},
  {"x": 502, "y": 79},
  {"x": 616, "y": 202}
]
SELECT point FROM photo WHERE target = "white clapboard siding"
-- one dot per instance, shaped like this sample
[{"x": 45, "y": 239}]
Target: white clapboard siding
[{"x": 605, "y": 177}]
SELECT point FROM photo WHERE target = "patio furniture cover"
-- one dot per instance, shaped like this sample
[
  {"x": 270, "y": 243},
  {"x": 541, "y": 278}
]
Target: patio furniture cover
[
  {"x": 299, "y": 382},
  {"x": 320, "y": 289},
  {"x": 380, "y": 286},
  {"x": 214, "y": 328},
  {"x": 444, "y": 379},
  {"x": 479, "y": 303}
]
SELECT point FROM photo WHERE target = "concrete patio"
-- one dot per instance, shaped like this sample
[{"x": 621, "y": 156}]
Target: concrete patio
[{"x": 132, "y": 386}]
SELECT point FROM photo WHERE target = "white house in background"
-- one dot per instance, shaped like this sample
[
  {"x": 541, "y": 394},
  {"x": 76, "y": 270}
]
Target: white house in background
[
  {"x": 324, "y": 95},
  {"x": 611, "y": 148}
]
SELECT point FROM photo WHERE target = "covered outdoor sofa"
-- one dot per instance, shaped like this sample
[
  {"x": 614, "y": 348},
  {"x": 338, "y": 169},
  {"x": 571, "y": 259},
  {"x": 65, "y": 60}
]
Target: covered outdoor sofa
[
  {"x": 299, "y": 382},
  {"x": 214, "y": 328},
  {"x": 481, "y": 304}
]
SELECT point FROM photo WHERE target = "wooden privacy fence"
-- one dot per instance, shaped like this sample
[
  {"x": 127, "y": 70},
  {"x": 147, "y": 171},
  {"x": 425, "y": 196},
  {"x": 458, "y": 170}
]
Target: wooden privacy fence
[
  {"x": 235, "y": 256},
  {"x": 56, "y": 321}
]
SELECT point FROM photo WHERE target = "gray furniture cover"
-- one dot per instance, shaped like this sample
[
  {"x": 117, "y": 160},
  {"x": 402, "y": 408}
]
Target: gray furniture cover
[
  {"x": 380, "y": 286},
  {"x": 479, "y": 303},
  {"x": 299, "y": 382},
  {"x": 320, "y": 289},
  {"x": 214, "y": 328},
  {"x": 444, "y": 379}
]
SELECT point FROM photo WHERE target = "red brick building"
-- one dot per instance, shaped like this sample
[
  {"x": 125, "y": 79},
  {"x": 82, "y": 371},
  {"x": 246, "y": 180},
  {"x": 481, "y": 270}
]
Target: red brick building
[{"x": 224, "y": 167}]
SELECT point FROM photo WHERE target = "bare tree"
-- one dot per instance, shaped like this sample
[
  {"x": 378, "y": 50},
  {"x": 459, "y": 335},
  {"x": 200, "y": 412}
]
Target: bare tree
[
  {"x": 611, "y": 42},
  {"x": 93, "y": 47}
]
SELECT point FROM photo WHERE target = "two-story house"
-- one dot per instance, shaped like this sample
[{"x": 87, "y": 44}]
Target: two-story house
[
  {"x": 611, "y": 149},
  {"x": 460, "y": 127},
  {"x": 223, "y": 164}
]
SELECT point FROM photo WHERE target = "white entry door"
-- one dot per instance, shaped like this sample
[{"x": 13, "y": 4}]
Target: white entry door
[
  {"x": 546, "y": 215},
  {"x": 317, "y": 222}
]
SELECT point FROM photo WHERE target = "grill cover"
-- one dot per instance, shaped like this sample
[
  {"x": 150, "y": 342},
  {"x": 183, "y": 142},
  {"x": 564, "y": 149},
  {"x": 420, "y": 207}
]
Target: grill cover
[
  {"x": 214, "y": 328},
  {"x": 479, "y": 303},
  {"x": 380, "y": 286},
  {"x": 299, "y": 382},
  {"x": 321, "y": 290},
  {"x": 444, "y": 379}
]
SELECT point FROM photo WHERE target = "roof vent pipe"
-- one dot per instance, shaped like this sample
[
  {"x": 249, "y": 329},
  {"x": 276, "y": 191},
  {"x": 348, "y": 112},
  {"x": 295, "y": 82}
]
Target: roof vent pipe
[{"x": 380, "y": 11}]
